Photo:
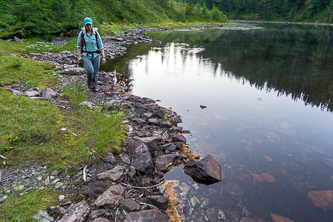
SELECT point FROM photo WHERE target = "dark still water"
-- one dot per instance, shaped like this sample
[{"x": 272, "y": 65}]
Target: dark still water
[{"x": 268, "y": 121}]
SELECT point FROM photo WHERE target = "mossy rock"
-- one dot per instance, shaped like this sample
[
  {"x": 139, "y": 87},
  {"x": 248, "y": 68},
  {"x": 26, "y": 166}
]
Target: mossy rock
[{"x": 79, "y": 198}]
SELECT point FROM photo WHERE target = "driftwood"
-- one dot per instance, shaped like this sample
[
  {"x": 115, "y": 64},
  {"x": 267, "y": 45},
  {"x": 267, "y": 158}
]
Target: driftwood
[{"x": 84, "y": 176}]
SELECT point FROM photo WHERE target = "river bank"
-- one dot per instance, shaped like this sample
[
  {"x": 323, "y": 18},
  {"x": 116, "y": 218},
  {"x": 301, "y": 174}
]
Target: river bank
[{"x": 154, "y": 144}]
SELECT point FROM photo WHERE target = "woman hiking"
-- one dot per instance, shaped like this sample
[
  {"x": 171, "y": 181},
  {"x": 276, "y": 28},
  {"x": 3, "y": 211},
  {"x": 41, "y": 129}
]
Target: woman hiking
[{"x": 89, "y": 47}]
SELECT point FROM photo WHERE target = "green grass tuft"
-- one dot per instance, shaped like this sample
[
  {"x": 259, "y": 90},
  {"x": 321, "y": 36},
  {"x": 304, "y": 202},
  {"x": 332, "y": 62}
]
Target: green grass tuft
[
  {"x": 75, "y": 92},
  {"x": 23, "y": 207}
]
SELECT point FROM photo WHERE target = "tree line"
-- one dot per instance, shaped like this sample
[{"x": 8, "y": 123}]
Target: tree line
[{"x": 292, "y": 10}]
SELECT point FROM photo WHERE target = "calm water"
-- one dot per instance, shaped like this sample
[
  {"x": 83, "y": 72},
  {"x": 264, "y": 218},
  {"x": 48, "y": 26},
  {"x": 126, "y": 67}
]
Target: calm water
[{"x": 268, "y": 92}]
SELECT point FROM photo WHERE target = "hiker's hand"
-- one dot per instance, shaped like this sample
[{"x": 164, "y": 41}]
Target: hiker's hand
[
  {"x": 103, "y": 60},
  {"x": 80, "y": 59}
]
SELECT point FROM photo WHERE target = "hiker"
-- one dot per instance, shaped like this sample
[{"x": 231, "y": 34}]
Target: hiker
[{"x": 89, "y": 47}]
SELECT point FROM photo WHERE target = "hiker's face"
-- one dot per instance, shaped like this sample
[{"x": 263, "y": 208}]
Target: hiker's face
[{"x": 89, "y": 27}]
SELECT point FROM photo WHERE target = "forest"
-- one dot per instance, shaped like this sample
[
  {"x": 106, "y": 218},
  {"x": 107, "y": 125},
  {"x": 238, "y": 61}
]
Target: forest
[
  {"x": 291, "y": 10},
  {"x": 51, "y": 17}
]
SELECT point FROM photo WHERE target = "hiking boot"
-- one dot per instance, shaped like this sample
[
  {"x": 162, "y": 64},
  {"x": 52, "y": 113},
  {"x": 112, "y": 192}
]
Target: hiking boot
[
  {"x": 94, "y": 89},
  {"x": 90, "y": 86}
]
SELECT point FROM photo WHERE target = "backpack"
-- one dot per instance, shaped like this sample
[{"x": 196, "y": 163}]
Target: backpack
[{"x": 83, "y": 42}]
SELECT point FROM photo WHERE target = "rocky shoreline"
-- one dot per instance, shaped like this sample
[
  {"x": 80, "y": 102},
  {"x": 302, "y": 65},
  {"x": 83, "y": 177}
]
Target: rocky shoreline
[{"x": 154, "y": 144}]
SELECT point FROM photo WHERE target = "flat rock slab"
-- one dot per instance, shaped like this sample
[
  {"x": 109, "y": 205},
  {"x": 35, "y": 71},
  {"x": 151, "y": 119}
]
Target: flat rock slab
[
  {"x": 205, "y": 169},
  {"x": 111, "y": 196},
  {"x": 322, "y": 198},
  {"x": 130, "y": 205},
  {"x": 158, "y": 201},
  {"x": 100, "y": 219},
  {"x": 113, "y": 174},
  {"x": 278, "y": 218},
  {"x": 163, "y": 162},
  {"x": 76, "y": 212},
  {"x": 153, "y": 215}
]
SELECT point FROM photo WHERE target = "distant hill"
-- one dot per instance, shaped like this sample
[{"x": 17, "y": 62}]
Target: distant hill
[{"x": 50, "y": 17}]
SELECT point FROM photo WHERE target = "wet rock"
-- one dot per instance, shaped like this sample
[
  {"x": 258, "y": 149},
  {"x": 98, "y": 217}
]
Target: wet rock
[
  {"x": 207, "y": 169},
  {"x": 176, "y": 120},
  {"x": 130, "y": 205},
  {"x": 42, "y": 216},
  {"x": 268, "y": 178},
  {"x": 160, "y": 113},
  {"x": 179, "y": 138},
  {"x": 111, "y": 196},
  {"x": 234, "y": 189},
  {"x": 162, "y": 163},
  {"x": 76, "y": 212},
  {"x": 258, "y": 177},
  {"x": 142, "y": 160},
  {"x": 147, "y": 215},
  {"x": 113, "y": 174},
  {"x": 48, "y": 93},
  {"x": 328, "y": 162},
  {"x": 251, "y": 219},
  {"x": 158, "y": 201},
  {"x": 221, "y": 215},
  {"x": 322, "y": 198},
  {"x": 278, "y": 218},
  {"x": 169, "y": 147}
]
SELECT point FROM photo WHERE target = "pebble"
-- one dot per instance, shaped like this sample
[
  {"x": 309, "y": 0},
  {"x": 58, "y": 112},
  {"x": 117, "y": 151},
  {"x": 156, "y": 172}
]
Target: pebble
[{"x": 61, "y": 198}]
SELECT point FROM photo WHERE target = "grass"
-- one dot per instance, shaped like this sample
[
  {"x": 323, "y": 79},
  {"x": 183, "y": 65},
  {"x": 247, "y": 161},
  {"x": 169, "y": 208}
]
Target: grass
[
  {"x": 75, "y": 92},
  {"x": 22, "y": 206},
  {"x": 14, "y": 69},
  {"x": 32, "y": 131}
]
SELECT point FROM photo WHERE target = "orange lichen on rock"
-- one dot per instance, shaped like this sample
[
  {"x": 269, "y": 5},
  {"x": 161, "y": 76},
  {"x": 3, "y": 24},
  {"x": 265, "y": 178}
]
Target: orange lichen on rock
[
  {"x": 117, "y": 88},
  {"x": 128, "y": 94},
  {"x": 278, "y": 218},
  {"x": 173, "y": 203},
  {"x": 190, "y": 155}
]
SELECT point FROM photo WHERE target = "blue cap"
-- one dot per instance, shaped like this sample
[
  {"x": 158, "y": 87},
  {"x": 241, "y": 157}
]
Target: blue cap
[{"x": 87, "y": 20}]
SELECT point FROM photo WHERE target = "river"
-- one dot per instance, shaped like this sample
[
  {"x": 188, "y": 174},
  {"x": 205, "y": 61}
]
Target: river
[{"x": 267, "y": 92}]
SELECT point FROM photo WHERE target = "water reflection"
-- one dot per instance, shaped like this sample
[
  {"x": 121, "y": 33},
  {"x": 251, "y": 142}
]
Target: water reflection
[{"x": 274, "y": 150}]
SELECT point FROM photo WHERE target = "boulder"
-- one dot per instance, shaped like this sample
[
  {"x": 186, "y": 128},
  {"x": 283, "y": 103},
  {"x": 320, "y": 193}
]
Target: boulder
[
  {"x": 76, "y": 212},
  {"x": 142, "y": 160},
  {"x": 153, "y": 215},
  {"x": 278, "y": 218},
  {"x": 162, "y": 163},
  {"x": 206, "y": 169}
]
